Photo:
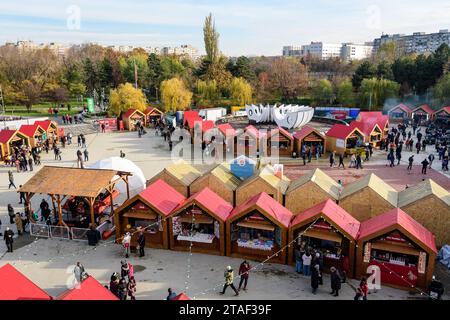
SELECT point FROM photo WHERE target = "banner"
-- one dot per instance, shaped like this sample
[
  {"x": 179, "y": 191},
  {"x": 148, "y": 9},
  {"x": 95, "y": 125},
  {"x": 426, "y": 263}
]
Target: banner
[
  {"x": 90, "y": 105},
  {"x": 367, "y": 251},
  {"x": 421, "y": 266},
  {"x": 110, "y": 124}
]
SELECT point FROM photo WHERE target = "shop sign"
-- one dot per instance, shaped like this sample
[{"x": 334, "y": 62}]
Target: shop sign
[
  {"x": 90, "y": 105},
  {"x": 422, "y": 262},
  {"x": 367, "y": 251},
  {"x": 322, "y": 225},
  {"x": 340, "y": 143},
  {"x": 139, "y": 206}
]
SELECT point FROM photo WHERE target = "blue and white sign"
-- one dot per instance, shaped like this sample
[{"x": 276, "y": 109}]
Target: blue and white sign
[{"x": 242, "y": 167}]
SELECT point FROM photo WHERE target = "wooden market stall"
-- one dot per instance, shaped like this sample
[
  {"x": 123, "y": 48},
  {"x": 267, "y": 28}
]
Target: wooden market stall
[
  {"x": 132, "y": 117},
  {"x": 264, "y": 181},
  {"x": 309, "y": 137},
  {"x": 16, "y": 286},
  {"x": 257, "y": 229},
  {"x": 50, "y": 127},
  {"x": 179, "y": 175},
  {"x": 429, "y": 204},
  {"x": 11, "y": 139},
  {"x": 344, "y": 139},
  {"x": 64, "y": 182},
  {"x": 368, "y": 197},
  {"x": 443, "y": 113},
  {"x": 224, "y": 134},
  {"x": 365, "y": 115},
  {"x": 309, "y": 190},
  {"x": 400, "y": 113},
  {"x": 148, "y": 211},
  {"x": 190, "y": 118},
  {"x": 401, "y": 247},
  {"x": 373, "y": 134},
  {"x": 35, "y": 133},
  {"x": 422, "y": 114},
  {"x": 220, "y": 180},
  {"x": 329, "y": 229},
  {"x": 152, "y": 115},
  {"x": 251, "y": 142},
  {"x": 202, "y": 130},
  {"x": 281, "y": 141},
  {"x": 200, "y": 221}
]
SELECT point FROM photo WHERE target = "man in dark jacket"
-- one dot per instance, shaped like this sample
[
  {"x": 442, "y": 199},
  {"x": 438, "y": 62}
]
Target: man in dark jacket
[
  {"x": 141, "y": 244},
  {"x": 93, "y": 236},
  {"x": 425, "y": 164},
  {"x": 244, "y": 270},
  {"x": 9, "y": 239},
  {"x": 315, "y": 278},
  {"x": 335, "y": 281}
]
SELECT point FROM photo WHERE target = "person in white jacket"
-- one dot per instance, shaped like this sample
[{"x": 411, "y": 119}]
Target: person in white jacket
[{"x": 126, "y": 241}]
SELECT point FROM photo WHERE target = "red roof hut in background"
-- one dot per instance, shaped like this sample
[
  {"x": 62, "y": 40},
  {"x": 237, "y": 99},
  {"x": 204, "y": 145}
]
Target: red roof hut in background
[
  {"x": 10, "y": 138},
  {"x": 149, "y": 208},
  {"x": 131, "y": 117},
  {"x": 443, "y": 112},
  {"x": 210, "y": 211},
  {"x": 89, "y": 289},
  {"x": 385, "y": 241},
  {"x": 372, "y": 132},
  {"x": 327, "y": 221},
  {"x": 341, "y": 137},
  {"x": 152, "y": 115},
  {"x": 257, "y": 228},
  {"x": 309, "y": 136},
  {"x": 423, "y": 112},
  {"x": 400, "y": 112},
  {"x": 33, "y": 131},
  {"x": 15, "y": 286}
]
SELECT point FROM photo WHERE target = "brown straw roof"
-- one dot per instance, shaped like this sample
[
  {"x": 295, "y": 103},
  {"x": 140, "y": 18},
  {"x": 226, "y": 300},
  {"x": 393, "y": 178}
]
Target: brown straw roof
[{"x": 70, "y": 181}]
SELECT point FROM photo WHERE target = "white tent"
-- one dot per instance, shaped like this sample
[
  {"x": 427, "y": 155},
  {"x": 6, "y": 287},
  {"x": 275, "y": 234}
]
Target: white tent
[{"x": 137, "y": 182}]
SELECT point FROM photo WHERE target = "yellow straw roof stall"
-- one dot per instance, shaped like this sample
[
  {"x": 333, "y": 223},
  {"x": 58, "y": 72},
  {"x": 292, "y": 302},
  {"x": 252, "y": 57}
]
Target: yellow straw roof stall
[
  {"x": 429, "y": 204},
  {"x": 368, "y": 197}
]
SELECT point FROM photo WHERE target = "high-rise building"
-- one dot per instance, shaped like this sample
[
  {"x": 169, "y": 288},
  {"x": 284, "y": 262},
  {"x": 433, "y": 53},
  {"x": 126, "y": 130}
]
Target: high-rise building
[
  {"x": 321, "y": 50},
  {"x": 418, "y": 42}
]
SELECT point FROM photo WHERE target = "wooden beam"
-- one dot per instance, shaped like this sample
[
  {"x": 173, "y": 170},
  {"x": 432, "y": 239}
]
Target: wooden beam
[
  {"x": 61, "y": 221},
  {"x": 91, "y": 208}
]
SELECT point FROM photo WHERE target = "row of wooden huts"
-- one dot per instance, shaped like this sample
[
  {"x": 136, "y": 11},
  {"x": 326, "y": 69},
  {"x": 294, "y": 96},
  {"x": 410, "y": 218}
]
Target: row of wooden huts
[
  {"x": 29, "y": 135},
  {"x": 260, "y": 227},
  {"x": 422, "y": 112}
]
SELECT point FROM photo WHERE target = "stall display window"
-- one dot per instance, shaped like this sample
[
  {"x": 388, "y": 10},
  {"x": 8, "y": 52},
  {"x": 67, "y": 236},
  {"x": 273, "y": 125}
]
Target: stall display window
[
  {"x": 144, "y": 224},
  {"x": 395, "y": 258},
  {"x": 255, "y": 238}
]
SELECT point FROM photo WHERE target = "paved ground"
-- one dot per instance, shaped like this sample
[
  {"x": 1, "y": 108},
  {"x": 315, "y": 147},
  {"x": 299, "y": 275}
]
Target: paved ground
[{"x": 162, "y": 269}]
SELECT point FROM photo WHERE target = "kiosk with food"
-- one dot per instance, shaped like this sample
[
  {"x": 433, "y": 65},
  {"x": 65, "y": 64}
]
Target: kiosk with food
[
  {"x": 330, "y": 229},
  {"x": 400, "y": 247},
  {"x": 257, "y": 229},
  {"x": 200, "y": 221}
]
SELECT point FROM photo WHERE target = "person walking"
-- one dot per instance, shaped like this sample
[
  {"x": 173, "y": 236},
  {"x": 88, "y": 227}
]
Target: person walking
[
  {"x": 9, "y": 239},
  {"x": 122, "y": 289},
  {"x": 126, "y": 241},
  {"x": 431, "y": 159},
  {"x": 79, "y": 140},
  {"x": 141, "y": 244},
  {"x": 131, "y": 288},
  {"x": 93, "y": 236},
  {"x": 358, "y": 161},
  {"x": 19, "y": 225},
  {"x": 86, "y": 155},
  {"x": 79, "y": 272},
  {"x": 171, "y": 294},
  {"x": 315, "y": 278},
  {"x": 79, "y": 159},
  {"x": 410, "y": 163},
  {"x": 11, "y": 180},
  {"x": 244, "y": 270},
  {"x": 83, "y": 141},
  {"x": 124, "y": 269},
  {"x": 306, "y": 263},
  {"x": 103, "y": 127},
  {"x": 335, "y": 281},
  {"x": 418, "y": 146},
  {"x": 114, "y": 284},
  {"x": 11, "y": 213},
  {"x": 425, "y": 164},
  {"x": 298, "y": 260},
  {"x": 229, "y": 277},
  {"x": 332, "y": 159},
  {"x": 341, "y": 161},
  {"x": 30, "y": 163}
]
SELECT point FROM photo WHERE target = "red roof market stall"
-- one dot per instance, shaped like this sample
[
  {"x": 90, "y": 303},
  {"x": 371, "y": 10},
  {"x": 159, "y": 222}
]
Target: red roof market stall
[
  {"x": 310, "y": 137},
  {"x": 422, "y": 113},
  {"x": 35, "y": 133},
  {"x": 373, "y": 134},
  {"x": 148, "y": 211},
  {"x": 88, "y": 289},
  {"x": 152, "y": 115},
  {"x": 200, "y": 220},
  {"x": 132, "y": 117},
  {"x": 400, "y": 112},
  {"x": 401, "y": 247},
  {"x": 49, "y": 126},
  {"x": 282, "y": 140},
  {"x": 248, "y": 142},
  {"x": 15, "y": 286},
  {"x": 443, "y": 113},
  {"x": 344, "y": 139},
  {"x": 257, "y": 229},
  {"x": 9, "y": 139},
  {"x": 329, "y": 229}
]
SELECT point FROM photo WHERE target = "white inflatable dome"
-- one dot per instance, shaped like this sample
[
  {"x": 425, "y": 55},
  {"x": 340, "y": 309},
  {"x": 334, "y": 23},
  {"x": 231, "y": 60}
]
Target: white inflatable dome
[{"x": 137, "y": 182}]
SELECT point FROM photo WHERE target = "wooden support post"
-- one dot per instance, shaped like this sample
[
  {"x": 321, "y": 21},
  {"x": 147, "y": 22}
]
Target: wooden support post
[
  {"x": 54, "y": 206},
  {"x": 27, "y": 205},
  {"x": 128, "y": 187},
  {"x": 60, "y": 218},
  {"x": 91, "y": 208}
]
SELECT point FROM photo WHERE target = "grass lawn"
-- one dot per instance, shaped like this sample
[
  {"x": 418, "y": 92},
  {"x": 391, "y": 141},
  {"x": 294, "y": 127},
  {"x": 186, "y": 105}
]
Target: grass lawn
[{"x": 41, "y": 109}]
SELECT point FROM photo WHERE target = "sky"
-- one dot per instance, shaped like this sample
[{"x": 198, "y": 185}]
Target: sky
[{"x": 246, "y": 27}]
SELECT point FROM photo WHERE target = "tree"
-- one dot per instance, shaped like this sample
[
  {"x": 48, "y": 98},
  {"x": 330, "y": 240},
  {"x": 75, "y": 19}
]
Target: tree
[
  {"x": 242, "y": 69},
  {"x": 211, "y": 39},
  {"x": 241, "y": 91},
  {"x": 345, "y": 94},
  {"x": 322, "y": 92},
  {"x": 442, "y": 90},
  {"x": 384, "y": 71},
  {"x": 207, "y": 91},
  {"x": 174, "y": 95},
  {"x": 374, "y": 92},
  {"x": 125, "y": 97},
  {"x": 404, "y": 72},
  {"x": 366, "y": 70},
  {"x": 288, "y": 78},
  {"x": 106, "y": 74}
]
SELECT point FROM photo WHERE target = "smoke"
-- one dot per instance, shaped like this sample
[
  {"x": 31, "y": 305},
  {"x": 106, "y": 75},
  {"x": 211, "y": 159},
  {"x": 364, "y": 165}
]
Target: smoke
[{"x": 411, "y": 101}]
